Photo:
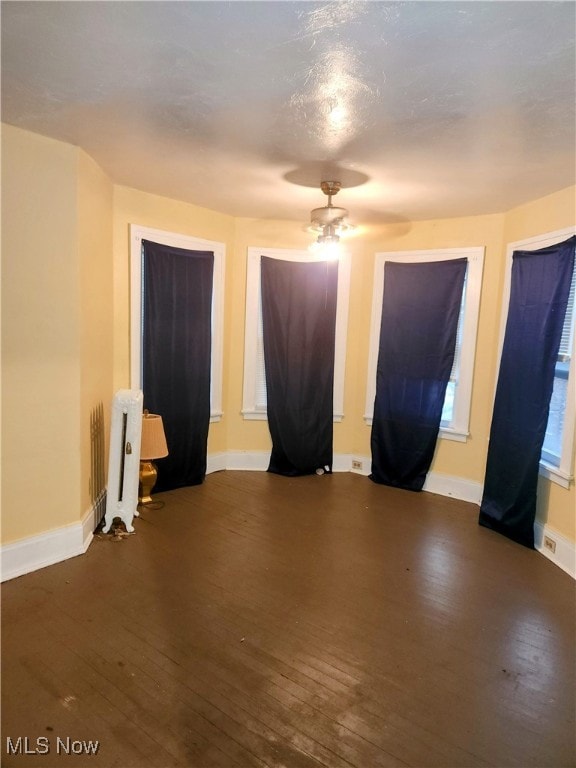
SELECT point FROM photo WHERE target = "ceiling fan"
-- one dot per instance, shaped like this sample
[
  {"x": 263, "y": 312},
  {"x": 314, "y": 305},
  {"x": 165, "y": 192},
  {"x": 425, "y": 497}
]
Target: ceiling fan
[{"x": 330, "y": 221}]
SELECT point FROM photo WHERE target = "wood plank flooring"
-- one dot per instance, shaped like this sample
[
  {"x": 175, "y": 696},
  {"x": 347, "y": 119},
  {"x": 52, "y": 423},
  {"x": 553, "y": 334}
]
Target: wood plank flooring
[{"x": 258, "y": 620}]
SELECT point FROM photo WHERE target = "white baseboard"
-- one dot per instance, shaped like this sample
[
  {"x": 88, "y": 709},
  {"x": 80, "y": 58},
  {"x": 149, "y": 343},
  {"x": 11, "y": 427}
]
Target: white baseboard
[
  {"x": 248, "y": 460},
  {"x": 258, "y": 461},
  {"x": 53, "y": 546},
  {"x": 456, "y": 487},
  {"x": 342, "y": 462},
  {"x": 444, "y": 485},
  {"x": 565, "y": 554},
  {"x": 215, "y": 462},
  {"x": 93, "y": 518},
  {"x": 35, "y": 552}
]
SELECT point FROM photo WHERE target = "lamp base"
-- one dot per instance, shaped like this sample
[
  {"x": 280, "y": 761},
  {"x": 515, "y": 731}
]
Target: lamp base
[{"x": 148, "y": 475}]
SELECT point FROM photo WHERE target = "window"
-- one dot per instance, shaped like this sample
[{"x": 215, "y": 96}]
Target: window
[
  {"x": 456, "y": 411},
  {"x": 254, "y": 396},
  {"x": 137, "y": 234},
  {"x": 557, "y": 452}
]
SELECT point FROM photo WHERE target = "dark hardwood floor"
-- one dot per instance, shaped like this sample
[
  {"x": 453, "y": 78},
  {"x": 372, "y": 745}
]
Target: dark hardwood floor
[{"x": 320, "y": 621}]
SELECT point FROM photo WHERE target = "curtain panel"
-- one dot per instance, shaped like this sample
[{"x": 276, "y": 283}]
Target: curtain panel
[
  {"x": 299, "y": 327},
  {"x": 419, "y": 322},
  {"x": 177, "y": 339},
  {"x": 539, "y": 291}
]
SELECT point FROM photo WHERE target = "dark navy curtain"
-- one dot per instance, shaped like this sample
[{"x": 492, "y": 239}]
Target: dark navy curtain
[
  {"x": 177, "y": 338},
  {"x": 420, "y": 310},
  {"x": 539, "y": 292},
  {"x": 299, "y": 325}
]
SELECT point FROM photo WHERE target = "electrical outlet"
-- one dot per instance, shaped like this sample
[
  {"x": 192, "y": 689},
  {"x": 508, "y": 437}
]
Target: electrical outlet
[
  {"x": 356, "y": 464},
  {"x": 549, "y": 544}
]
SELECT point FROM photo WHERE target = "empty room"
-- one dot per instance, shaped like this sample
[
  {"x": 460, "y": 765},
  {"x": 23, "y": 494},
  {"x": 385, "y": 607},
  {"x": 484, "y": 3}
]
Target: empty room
[{"x": 288, "y": 384}]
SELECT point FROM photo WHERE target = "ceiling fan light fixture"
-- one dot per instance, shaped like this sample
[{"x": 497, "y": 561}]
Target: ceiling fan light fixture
[
  {"x": 329, "y": 235},
  {"x": 326, "y": 249},
  {"x": 329, "y": 222}
]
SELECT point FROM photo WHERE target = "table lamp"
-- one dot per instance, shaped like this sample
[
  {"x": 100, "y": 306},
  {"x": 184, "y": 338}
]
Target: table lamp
[{"x": 153, "y": 446}]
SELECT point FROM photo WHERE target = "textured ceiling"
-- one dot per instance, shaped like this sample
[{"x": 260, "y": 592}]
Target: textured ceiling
[{"x": 421, "y": 109}]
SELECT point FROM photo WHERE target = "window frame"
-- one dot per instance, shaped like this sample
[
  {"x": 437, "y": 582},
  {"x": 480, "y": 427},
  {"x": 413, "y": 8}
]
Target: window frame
[
  {"x": 253, "y": 302},
  {"x": 561, "y": 474},
  {"x": 176, "y": 240},
  {"x": 459, "y": 429}
]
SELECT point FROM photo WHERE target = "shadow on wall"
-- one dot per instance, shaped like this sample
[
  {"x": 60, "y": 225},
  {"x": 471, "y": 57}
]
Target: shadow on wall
[
  {"x": 98, "y": 458},
  {"x": 542, "y": 499}
]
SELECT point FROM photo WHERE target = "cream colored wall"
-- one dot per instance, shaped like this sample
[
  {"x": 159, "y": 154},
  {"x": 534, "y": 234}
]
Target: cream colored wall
[
  {"x": 132, "y": 206},
  {"x": 461, "y": 460},
  {"x": 352, "y": 435},
  {"x": 40, "y": 335},
  {"x": 556, "y": 505},
  {"x": 254, "y": 435},
  {"x": 546, "y": 214},
  {"x": 244, "y": 435},
  {"x": 57, "y": 330},
  {"x": 96, "y": 337},
  {"x": 64, "y": 349},
  {"x": 464, "y": 460}
]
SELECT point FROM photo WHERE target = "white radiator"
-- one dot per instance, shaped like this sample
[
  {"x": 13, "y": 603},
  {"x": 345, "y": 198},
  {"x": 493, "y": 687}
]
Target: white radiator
[{"x": 124, "y": 458}]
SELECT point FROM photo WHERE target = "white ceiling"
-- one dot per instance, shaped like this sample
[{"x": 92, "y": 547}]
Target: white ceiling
[{"x": 439, "y": 108}]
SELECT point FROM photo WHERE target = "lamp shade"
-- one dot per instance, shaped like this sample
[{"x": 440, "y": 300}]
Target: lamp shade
[{"x": 153, "y": 445}]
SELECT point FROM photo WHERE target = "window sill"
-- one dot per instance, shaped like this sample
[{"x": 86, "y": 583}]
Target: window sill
[
  {"x": 215, "y": 416},
  {"x": 250, "y": 415},
  {"x": 255, "y": 415},
  {"x": 445, "y": 434},
  {"x": 454, "y": 434},
  {"x": 555, "y": 474}
]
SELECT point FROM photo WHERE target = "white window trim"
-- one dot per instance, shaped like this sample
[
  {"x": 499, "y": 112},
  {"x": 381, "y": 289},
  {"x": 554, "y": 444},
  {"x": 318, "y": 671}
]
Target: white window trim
[
  {"x": 562, "y": 475},
  {"x": 249, "y": 410},
  {"x": 137, "y": 234},
  {"x": 459, "y": 430}
]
